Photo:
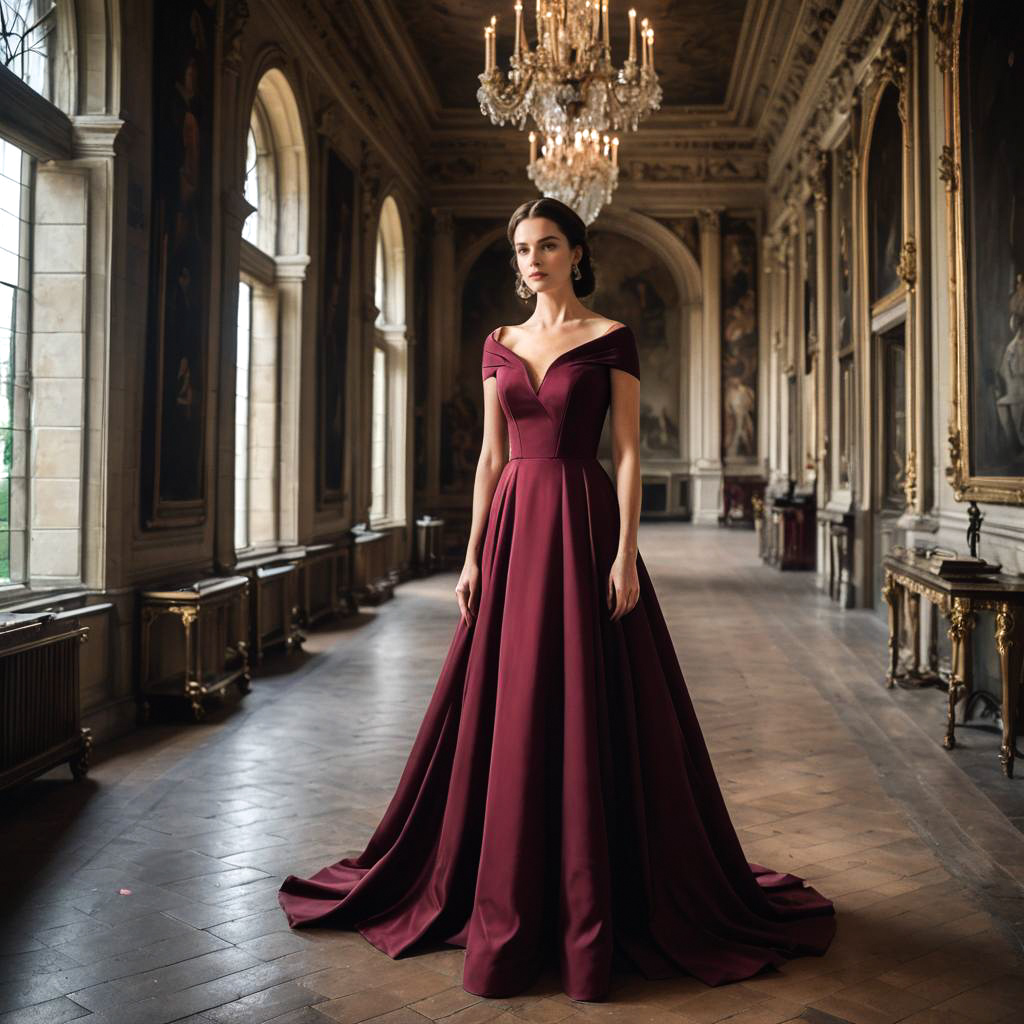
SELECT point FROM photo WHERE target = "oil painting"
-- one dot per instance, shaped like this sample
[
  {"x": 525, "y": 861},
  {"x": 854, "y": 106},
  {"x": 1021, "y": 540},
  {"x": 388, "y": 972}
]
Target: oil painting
[
  {"x": 332, "y": 338},
  {"x": 635, "y": 287},
  {"x": 992, "y": 84},
  {"x": 739, "y": 340},
  {"x": 173, "y": 476}
]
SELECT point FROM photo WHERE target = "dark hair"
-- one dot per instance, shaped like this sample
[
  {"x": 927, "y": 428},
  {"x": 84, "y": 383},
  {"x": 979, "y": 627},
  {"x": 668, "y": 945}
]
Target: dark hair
[{"x": 571, "y": 225}]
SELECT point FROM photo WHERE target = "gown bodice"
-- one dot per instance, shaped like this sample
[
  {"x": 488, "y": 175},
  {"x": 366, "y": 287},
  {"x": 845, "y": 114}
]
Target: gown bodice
[{"x": 564, "y": 416}]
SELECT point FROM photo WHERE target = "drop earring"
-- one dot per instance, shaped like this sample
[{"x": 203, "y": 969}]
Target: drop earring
[
  {"x": 577, "y": 274},
  {"x": 523, "y": 290}
]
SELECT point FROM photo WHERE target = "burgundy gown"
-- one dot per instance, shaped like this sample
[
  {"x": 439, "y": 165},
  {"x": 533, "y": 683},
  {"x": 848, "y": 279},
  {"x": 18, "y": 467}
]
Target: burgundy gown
[{"x": 559, "y": 804}]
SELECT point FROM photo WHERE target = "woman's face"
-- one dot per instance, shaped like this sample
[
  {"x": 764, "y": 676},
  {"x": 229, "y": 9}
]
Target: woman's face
[{"x": 543, "y": 254}]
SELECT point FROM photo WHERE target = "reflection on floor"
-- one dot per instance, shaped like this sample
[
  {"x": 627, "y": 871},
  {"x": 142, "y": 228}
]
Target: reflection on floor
[{"x": 146, "y": 894}]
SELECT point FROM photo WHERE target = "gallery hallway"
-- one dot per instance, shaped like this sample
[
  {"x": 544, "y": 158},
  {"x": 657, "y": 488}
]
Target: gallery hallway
[{"x": 147, "y": 892}]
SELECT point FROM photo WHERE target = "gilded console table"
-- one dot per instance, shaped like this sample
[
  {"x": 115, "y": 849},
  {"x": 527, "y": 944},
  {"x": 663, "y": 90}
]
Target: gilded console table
[
  {"x": 206, "y": 648},
  {"x": 907, "y": 577}
]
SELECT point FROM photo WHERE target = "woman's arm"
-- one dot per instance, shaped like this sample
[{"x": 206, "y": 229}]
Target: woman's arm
[
  {"x": 493, "y": 456},
  {"x": 623, "y": 582}
]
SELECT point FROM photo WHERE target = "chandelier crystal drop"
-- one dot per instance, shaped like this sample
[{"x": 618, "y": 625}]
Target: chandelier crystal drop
[
  {"x": 568, "y": 83},
  {"x": 582, "y": 174}
]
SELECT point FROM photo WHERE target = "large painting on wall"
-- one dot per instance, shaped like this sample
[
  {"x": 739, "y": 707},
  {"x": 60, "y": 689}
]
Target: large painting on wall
[
  {"x": 885, "y": 196},
  {"x": 841, "y": 264},
  {"x": 173, "y": 457},
  {"x": 332, "y": 336},
  {"x": 987, "y": 305},
  {"x": 636, "y": 288},
  {"x": 739, "y": 340}
]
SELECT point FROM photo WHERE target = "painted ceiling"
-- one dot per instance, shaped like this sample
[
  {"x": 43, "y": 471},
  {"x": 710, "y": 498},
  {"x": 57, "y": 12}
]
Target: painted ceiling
[{"x": 694, "y": 43}]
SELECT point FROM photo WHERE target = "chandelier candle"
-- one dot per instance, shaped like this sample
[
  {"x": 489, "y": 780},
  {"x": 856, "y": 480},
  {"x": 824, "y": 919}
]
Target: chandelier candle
[
  {"x": 568, "y": 81},
  {"x": 575, "y": 96},
  {"x": 576, "y": 172}
]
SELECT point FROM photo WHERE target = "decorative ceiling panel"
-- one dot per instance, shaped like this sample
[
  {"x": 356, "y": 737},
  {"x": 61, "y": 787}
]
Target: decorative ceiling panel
[{"x": 694, "y": 43}]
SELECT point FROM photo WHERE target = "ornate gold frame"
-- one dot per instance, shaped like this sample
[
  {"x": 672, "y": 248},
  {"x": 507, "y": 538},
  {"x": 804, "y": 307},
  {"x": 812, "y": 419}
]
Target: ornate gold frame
[
  {"x": 892, "y": 75},
  {"x": 945, "y": 17}
]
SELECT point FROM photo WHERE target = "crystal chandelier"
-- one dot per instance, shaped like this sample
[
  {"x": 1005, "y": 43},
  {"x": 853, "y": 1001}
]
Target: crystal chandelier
[
  {"x": 568, "y": 82},
  {"x": 582, "y": 174}
]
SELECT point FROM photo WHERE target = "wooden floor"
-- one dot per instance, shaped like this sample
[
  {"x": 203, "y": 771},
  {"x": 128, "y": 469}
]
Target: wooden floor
[{"x": 147, "y": 893}]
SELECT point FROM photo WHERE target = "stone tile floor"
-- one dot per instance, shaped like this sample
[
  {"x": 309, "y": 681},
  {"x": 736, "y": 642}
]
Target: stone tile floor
[{"x": 827, "y": 774}]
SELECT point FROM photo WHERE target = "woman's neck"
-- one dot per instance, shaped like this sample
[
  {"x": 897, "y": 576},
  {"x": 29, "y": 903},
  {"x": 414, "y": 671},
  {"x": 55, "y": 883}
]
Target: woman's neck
[{"x": 556, "y": 308}]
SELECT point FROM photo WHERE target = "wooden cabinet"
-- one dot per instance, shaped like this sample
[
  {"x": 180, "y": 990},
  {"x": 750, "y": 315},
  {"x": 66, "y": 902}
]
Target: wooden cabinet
[
  {"x": 324, "y": 582},
  {"x": 273, "y": 603},
  {"x": 786, "y": 527}
]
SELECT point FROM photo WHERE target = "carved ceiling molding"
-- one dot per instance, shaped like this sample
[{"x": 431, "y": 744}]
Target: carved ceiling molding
[
  {"x": 877, "y": 53},
  {"x": 236, "y": 14},
  {"x": 815, "y": 26},
  {"x": 710, "y": 220},
  {"x": 891, "y": 65},
  {"x": 330, "y": 123},
  {"x": 817, "y": 176},
  {"x": 501, "y": 158},
  {"x": 336, "y": 57}
]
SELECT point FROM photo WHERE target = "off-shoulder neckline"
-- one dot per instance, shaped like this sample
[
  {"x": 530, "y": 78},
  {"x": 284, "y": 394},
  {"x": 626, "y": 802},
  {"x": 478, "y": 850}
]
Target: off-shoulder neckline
[{"x": 526, "y": 369}]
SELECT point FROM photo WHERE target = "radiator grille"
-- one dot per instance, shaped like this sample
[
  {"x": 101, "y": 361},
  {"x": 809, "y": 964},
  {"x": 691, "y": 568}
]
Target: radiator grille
[{"x": 38, "y": 699}]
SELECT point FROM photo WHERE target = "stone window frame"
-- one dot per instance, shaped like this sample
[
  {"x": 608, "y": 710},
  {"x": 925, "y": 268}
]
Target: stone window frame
[
  {"x": 390, "y": 359},
  {"x": 275, "y": 268},
  {"x": 63, "y": 361}
]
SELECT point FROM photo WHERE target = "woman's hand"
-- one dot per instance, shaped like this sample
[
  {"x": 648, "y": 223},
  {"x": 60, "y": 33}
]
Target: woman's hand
[
  {"x": 623, "y": 586},
  {"x": 468, "y": 592}
]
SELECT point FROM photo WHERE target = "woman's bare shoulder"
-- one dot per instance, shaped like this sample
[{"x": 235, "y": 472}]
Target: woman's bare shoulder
[
  {"x": 605, "y": 324},
  {"x": 504, "y": 334}
]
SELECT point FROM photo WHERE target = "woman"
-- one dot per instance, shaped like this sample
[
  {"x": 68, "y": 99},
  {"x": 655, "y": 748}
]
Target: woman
[{"x": 559, "y": 805}]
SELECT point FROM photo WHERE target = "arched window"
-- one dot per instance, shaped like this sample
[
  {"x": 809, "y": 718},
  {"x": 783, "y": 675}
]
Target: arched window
[
  {"x": 27, "y": 36},
  {"x": 27, "y": 29},
  {"x": 271, "y": 268},
  {"x": 390, "y": 373}
]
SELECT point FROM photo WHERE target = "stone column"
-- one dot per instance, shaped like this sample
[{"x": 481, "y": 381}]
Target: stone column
[
  {"x": 766, "y": 350},
  {"x": 779, "y": 473},
  {"x": 68, "y": 364},
  {"x": 823, "y": 365},
  {"x": 706, "y": 378},
  {"x": 293, "y": 527}
]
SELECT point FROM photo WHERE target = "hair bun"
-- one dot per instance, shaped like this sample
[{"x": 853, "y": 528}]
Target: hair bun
[
  {"x": 571, "y": 225},
  {"x": 586, "y": 282}
]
